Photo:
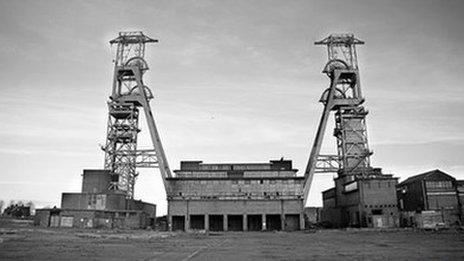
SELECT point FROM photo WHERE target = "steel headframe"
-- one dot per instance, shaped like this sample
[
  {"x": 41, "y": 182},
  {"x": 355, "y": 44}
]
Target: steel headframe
[
  {"x": 129, "y": 93},
  {"x": 344, "y": 98}
]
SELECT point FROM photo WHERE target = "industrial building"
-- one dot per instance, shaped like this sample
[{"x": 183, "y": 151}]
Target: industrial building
[
  {"x": 97, "y": 207},
  {"x": 363, "y": 202},
  {"x": 236, "y": 197},
  {"x": 430, "y": 198}
]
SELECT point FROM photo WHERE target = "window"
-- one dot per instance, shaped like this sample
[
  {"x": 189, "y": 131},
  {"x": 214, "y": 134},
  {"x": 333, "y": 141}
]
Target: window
[
  {"x": 439, "y": 184},
  {"x": 351, "y": 187}
]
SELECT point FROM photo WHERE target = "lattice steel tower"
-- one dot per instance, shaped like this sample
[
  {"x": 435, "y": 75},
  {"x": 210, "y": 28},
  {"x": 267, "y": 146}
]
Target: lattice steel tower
[
  {"x": 343, "y": 98},
  {"x": 129, "y": 94}
]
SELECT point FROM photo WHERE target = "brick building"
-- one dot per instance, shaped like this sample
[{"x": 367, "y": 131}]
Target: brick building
[
  {"x": 97, "y": 207},
  {"x": 433, "y": 195},
  {"x": 236, "y": 197},
  {"x": 363, "y": 201}
]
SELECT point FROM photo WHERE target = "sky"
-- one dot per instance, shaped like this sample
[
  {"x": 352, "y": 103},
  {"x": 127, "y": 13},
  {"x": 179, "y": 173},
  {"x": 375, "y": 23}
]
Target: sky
[{"x": 234, "y": 81}]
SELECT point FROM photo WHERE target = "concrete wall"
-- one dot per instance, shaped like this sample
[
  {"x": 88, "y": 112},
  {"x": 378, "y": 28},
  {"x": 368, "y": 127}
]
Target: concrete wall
[
  {"x": 93, "y": 201},
  {"x": 75, "y": 218},
  {"x": 95, "y": 181},
  {"x": 235, "y": 207},
  {"x": 81, "y": 218},
  {"x": 147, "y": 208}
]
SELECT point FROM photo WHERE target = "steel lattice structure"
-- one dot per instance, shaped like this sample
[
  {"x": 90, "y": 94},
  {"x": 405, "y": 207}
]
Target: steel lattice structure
[
  {"x": 128, "y": 95},
  {"x": 343, "y": 98}
]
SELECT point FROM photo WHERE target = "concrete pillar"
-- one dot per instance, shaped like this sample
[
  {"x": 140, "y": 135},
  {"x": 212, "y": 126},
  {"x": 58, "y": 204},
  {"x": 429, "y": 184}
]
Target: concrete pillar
[
  {"x": 245, "y": 223},
  {"x": 206, "y": 222},
  {"x": 187, "y": 222},
  {"x": 169, "y": 222},
  {"x": 169, "y": 217},
  {"x": 225, "y": 222},
  {"x": 302, "y": 222},
  {"x": 187, "y": 217},
  {"x": 282, "y": 216},
  {"x": 264, "y": 221},
  {"x": 282, "y": 221}
]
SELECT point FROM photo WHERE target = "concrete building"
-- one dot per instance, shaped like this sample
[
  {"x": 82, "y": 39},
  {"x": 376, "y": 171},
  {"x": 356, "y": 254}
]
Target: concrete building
[
  {"x": 97, "y": 207},
  {"x": 430, "y": 199},
  {"x": 236, "y": 197},
  {"x": 365, "y": 201}
]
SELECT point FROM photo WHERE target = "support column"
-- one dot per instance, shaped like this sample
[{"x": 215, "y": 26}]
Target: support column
[
  {"x": 169, "y": 222},
  {"x": 264, "y": 221},
  {"x": 206, "y": 222},
  {"x": 245, "y": 223},
  {"x": 187, "y": 218},
  {"x": 302, "y": 222},
  {"x": 169, "y": 217},
  {"x": 225, "y": 223},
  {"x": 282, "y": 216}
]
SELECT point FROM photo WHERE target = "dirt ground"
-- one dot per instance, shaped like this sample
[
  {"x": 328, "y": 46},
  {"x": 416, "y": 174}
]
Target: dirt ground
[{"x": 29, "y": 243}]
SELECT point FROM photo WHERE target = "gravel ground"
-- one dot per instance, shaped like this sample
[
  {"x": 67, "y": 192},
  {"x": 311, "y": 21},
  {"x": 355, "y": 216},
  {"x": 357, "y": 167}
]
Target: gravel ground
[{"x": 29, "y": 243}]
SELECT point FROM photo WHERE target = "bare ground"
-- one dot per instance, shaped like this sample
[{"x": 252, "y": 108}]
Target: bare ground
[{"x": 28, "y": 243}]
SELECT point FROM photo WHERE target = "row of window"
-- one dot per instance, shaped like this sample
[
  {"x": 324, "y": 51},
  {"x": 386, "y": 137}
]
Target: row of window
[
  {"x": 439, "y": 184},
  {"x": 272, "y": 181},
  {"x": 248, "y": 181},
  {"x": 285, "y": 193},
  {"x": 379, "y": 184},
  {"x": 381, "y": 206}
]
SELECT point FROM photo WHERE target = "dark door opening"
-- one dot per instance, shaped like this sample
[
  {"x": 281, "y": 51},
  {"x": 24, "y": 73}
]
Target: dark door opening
[
  {"x": 235, "y": 222},
  {"x": 255, "y": 222},
  {"x": 292, "y": 222},
  {"x": 197, "y": 222},
  {"x": 178, "y": 223},
  {"x": 216, "y": 222},
  {"x": 273, "y": 222}
]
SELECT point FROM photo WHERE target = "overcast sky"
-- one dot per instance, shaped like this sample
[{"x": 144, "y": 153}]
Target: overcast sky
[{"x": 234, "y": 81}]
